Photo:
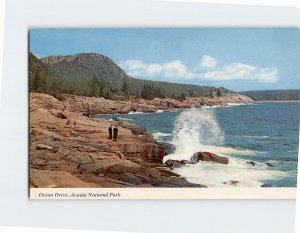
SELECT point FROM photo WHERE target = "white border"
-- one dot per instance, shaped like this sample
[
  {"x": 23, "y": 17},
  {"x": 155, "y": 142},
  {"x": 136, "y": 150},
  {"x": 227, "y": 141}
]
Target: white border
[
  {"x": 2, "y": 17},
  {"x": 231, "y": 216}
]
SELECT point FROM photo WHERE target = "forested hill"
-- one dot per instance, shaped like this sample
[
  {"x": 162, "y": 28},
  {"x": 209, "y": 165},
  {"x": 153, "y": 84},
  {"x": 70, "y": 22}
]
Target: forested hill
[
  {"x": 92, "y": 74},
  {"x": 292, "y": 94}
]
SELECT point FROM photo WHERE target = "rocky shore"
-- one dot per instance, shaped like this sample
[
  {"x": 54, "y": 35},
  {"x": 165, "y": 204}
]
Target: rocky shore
[
  {"x": 93, "y": 105},
  {"x": 69, "y": 148}
]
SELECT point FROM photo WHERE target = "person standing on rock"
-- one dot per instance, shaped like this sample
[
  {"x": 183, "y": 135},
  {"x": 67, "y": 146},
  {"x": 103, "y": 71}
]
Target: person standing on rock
[
  {"x": 110, "y": 132},
  {"x": 116, "y": 133}
]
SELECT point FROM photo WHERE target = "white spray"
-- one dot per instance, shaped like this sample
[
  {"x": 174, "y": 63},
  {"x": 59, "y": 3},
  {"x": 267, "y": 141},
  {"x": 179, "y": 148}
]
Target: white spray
[{"x": 194, "y": 129}]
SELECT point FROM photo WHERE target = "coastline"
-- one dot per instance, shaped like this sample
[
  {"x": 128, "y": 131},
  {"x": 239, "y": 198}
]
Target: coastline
[
  {"x": 94, "y": 105},
  {"x": 70, "y": 148}
]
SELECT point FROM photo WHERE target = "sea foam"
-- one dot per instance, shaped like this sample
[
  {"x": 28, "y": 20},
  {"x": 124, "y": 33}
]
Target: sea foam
[{"x": 221, "y": 175}]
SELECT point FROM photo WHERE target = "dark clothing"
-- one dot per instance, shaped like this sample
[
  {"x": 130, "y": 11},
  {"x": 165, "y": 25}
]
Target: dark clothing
[
  {"x": 110, "y": 132},
  {"x": 116, "y": 134}
]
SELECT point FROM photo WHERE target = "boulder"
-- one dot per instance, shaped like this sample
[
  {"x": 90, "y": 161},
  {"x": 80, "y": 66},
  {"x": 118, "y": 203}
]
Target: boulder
[
  {"x": 176, "y": 163},
  {"x": 269, "y": 164},
  {"x": 252, "y": 163},
  {"x": 194, "y": 158},
  {"x": 43, "y": 147},
  {"x": 173, "y": 164},
  {"x": 210, "y": 157}
]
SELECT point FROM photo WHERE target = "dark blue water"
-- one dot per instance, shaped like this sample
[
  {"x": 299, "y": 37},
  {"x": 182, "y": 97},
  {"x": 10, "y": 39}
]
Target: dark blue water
[{"x": 270, "y": 130}]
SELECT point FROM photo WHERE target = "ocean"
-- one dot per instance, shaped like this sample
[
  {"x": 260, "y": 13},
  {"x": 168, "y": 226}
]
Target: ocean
[{"x": 266, "y": 133}]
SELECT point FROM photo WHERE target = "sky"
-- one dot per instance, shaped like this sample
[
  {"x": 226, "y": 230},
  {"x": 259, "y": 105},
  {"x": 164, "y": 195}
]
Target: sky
[{"x": 237, "y": 59}]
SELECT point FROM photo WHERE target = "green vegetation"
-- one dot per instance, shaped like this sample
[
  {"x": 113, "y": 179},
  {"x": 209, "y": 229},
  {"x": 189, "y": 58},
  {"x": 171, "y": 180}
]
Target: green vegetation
[
  {"x": 43, "y": 79},
  {"x": 91, "y": 74},
  {"x": 292, "y": 94}
]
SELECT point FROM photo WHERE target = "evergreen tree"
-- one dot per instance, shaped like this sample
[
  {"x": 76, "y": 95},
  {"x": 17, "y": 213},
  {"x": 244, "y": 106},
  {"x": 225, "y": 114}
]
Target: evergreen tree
[
  {"x": 145, "y": 92},
  {"x": 94, "y": 86},
  {"x": 36, "y": 81},
  {"x": 55, "y": 88},
  {"x": 101, "y": 86},
  {"x": 125, "y": 87}
]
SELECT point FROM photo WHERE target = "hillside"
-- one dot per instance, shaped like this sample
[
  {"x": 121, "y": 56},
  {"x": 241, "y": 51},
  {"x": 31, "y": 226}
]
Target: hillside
[
  {"x": 42, "y": 78},
  {"x": 92, "y": 74},
  {"x": 292, "y": 94}
]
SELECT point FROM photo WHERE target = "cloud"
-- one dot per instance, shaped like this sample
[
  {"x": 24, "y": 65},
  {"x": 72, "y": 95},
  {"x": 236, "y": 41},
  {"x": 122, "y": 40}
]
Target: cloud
[
  {"x": 268, "y": 75},
  {"x": 172, "y": 70},
  {"x": 133, "y": 67},
  {"x": 240, "y": 71},
  {"x": 208, "y": 62},
  {"x": 207, "y": 69}
]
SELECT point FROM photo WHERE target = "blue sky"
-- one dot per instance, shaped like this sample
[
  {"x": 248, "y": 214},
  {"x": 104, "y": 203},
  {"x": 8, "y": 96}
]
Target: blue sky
[{"x": 238, "y": 59}]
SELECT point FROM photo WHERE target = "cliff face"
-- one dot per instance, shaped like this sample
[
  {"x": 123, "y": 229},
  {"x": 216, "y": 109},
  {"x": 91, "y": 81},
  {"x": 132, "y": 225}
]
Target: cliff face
[{"x": 68, "y": 149}]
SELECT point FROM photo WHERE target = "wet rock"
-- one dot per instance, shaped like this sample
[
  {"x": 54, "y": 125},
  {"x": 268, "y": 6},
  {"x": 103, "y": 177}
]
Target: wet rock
[
  {"x": 210, "y": 157},
  {"x": 173, "y": 164},
  {"x": 186, "y": 162},
  {"x": 194, "y": 158},
  {"x": 269, "y": 164},
  {"x": 252, "y": 163},
  {"x": 116, "y": 119},
  {"x": 176, "y": 163}
]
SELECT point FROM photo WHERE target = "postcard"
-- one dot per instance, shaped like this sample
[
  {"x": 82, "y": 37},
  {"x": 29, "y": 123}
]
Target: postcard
[{"x": 163, "y": 113}]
